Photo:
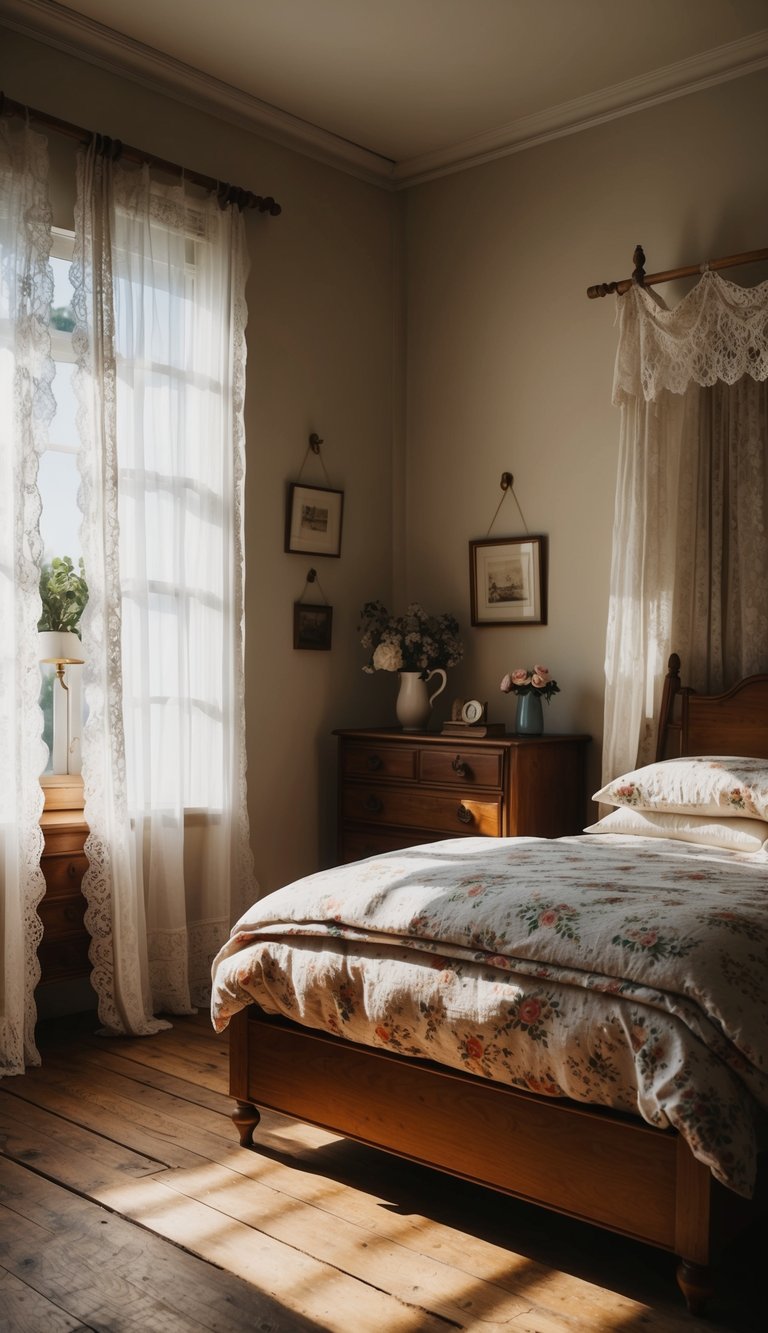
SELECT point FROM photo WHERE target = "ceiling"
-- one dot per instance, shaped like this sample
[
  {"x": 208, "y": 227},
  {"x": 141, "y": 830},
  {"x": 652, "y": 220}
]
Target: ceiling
[{"x": 402, "y": 90}]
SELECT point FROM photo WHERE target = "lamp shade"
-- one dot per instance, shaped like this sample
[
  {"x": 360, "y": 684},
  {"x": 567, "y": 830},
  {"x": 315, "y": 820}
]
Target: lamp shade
[{"x": 59, "y": 645}]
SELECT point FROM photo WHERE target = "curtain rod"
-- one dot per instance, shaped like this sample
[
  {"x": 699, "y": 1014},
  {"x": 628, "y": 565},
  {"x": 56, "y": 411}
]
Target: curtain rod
[
  {"x": 226, "y": 194},
  {"x": 640, "y": 277}
]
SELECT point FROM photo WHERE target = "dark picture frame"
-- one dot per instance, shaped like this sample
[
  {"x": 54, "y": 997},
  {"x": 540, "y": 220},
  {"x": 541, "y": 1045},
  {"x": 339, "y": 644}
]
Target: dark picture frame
[
  {"x": 312, "y": 626},
  {"x": 508, "y": 581},
  {"x": 313, "y": 520}
]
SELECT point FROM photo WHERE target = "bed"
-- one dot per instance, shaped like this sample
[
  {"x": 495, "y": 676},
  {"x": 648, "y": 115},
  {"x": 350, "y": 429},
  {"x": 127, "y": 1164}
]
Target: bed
[{"x": 598, "y": 1005}]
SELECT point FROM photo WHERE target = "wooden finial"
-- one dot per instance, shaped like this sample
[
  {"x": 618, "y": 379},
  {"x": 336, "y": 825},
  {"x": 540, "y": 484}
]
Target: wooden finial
[{"x": 638, "y": 272}]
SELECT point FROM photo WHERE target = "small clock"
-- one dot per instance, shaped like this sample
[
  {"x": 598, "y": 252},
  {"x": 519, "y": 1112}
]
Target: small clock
[{"x": 472, "y": 712}]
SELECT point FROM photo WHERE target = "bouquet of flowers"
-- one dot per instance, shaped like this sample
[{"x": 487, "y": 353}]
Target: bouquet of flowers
[
  {"x": 537, "y": 681},
  {"x": 412, "y": 642}
]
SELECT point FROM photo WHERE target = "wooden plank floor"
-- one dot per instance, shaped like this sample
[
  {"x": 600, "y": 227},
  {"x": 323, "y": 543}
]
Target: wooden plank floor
[{"x": 127, "y": 1205}]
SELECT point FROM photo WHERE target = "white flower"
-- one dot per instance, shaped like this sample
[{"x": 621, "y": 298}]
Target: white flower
[{"x": 387, "y": 657}]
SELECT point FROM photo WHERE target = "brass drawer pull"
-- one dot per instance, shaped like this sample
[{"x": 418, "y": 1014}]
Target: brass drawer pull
[
  {"x": 460, "y": 767},
  {"x": 464, "y": 815},
  {"x": 373, "y": 805},
  {"x": 374, "y": 762}
]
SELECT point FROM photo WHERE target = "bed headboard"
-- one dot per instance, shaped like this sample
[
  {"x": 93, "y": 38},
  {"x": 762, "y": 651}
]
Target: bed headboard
[{"x": 735, "y": 722}]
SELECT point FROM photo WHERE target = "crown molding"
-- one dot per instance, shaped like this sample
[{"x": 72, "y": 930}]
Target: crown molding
[
  {"x": 86, "y": 39},
  {"x": 691, "y": 75}
]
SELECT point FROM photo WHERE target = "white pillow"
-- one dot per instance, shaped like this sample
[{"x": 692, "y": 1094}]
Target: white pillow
[
  {"x": 703, "y": 785},
  {"x": 734, "y": 835}
]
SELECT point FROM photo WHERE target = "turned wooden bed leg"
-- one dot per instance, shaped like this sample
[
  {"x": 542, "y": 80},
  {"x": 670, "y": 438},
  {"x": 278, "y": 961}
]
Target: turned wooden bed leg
[
  {"x": 245, "y": 1117},
  {"x": 695, "y": 1282}
]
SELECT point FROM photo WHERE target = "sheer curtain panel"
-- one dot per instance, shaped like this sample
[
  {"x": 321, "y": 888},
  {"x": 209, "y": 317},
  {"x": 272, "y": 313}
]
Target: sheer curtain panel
[
  {"x": 690, "y": 536},
  {"x": 26, "y": 371},
  {"x": 159, "y": 280}
]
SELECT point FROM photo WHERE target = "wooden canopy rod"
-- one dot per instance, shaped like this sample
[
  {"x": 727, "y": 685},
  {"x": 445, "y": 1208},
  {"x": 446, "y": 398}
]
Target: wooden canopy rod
[
  {"x": 651, "y": 279},
  {"x": 226, "y": 194}
]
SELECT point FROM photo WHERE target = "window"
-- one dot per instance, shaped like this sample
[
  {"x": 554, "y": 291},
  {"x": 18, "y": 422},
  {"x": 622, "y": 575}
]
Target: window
[{"x": 58, "y": 480}]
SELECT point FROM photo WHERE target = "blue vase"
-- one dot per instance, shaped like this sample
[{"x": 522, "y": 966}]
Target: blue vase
[{"x": 529, "y": 718}]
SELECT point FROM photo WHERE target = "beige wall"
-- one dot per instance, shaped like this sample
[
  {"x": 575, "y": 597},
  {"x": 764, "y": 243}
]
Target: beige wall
[
  {"x": 320, "y": 358},
  {"x": 509, "y": 366}
]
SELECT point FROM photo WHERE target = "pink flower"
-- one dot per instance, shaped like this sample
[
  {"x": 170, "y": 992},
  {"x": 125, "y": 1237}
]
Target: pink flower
[
  {"x": 541, "y": 674},
  {"x": 521, "y": 677},
  {"x": 382, "y": 1034},
  {"x": 506, "y": 684},
  {"x": 476, "y": 890},
  {"x": 474, "y": 1048},
  {"x": 548, "y": 918},
  {"x": 529, "y": 1011}
]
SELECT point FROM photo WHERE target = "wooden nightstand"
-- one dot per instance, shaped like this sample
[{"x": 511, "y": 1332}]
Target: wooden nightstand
[
  {"x": 398, "y": 789},
  {"x": 63, "y": 951}
]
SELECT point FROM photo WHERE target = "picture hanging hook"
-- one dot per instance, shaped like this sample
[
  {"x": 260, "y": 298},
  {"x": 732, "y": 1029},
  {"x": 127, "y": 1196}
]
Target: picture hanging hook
[
  {"x": 315, "y": 442},
  {"x": 507, "y": 480}
]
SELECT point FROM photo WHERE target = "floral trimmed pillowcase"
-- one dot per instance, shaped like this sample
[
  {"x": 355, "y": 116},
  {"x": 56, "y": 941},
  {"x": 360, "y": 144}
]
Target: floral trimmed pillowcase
[
  {"x": 704, "y": 785},
  {"x": 731, "y": 834}
]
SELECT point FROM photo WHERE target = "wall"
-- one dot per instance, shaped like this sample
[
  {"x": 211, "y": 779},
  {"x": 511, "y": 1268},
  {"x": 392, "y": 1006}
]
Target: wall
[
  {"x": 322, "y": 307},
  {"x": 509, "y": 366}
]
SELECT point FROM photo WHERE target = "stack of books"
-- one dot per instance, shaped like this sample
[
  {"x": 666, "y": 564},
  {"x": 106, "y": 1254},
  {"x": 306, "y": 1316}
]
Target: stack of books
[{"x": 473, "y": 730}]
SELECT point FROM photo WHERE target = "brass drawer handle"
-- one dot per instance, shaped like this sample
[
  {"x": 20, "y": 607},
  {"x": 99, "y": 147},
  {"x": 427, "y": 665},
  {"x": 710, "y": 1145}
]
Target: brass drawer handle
[
  {"x": 464, "y": 815},
  {"x": 460, "y": 767},
  {"x": 374, "y": 762},
  {"x": 373, "y": 805}
]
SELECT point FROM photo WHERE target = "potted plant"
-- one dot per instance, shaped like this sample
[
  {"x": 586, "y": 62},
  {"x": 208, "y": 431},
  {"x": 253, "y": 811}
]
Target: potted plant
[{"x": 64, "y": 593}]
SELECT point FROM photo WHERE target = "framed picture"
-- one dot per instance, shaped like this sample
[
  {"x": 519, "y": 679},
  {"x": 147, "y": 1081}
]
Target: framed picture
[
  {"x": 312, "y": 626},
  {"x": 507, "y": 581},
  {"x": 313, "y": 520}
]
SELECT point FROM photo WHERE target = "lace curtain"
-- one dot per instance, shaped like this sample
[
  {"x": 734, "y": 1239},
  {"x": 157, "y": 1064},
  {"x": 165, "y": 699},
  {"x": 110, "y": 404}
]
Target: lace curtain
[
  {"x": 26, "y": 371},
  {"x": 690, "y": 535},
  {"x": 159, "y": 281}
]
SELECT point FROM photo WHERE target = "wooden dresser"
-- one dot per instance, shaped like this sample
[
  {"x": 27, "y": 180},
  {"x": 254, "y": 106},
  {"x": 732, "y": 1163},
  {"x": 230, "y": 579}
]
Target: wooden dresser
[
  {"x": 63, "y": 951},
  {"x": 398, "y": 789}
]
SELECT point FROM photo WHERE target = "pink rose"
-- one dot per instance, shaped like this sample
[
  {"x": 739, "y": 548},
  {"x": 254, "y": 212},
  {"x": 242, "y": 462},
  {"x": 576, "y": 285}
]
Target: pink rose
[
  {"x": 521, "y": 677},
  {"x": 542, "y": 673},
  {"x": 548, "y": 918},
  {"x": 529, "y": 1011},
  {"x": 506, "y": 684}
]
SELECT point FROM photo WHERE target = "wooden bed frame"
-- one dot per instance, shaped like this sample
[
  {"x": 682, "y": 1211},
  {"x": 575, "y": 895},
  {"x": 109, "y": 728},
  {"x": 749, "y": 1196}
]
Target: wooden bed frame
[{"x": 593, "y": 1164}]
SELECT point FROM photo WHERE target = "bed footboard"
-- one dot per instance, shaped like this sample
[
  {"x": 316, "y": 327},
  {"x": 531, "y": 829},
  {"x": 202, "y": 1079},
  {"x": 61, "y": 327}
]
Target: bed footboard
[{"x": 592, "y": 1164}]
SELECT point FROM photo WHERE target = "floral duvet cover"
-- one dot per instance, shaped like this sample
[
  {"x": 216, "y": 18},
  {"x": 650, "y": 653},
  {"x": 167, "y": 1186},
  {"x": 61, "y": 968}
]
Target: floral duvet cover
[{"x": 620, "y": 971}]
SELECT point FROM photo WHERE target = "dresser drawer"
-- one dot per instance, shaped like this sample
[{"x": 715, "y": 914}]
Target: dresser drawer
[
  {"x": 419, "y": 808},
  {"x": 358, "y": 843},
  {"x": 64, "y": 958},
  {"x": 381, "y": 761},
  {"x": 63, "y": 873},
  {"x": 462, "y": 768},
  {"x": 57, "y": 840},
  {"x": 60, "y": 915}
]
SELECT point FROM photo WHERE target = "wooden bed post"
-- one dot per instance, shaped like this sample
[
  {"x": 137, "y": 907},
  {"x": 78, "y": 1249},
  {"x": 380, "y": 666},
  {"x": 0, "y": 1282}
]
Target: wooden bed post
[{"x": 670, "y": 692}]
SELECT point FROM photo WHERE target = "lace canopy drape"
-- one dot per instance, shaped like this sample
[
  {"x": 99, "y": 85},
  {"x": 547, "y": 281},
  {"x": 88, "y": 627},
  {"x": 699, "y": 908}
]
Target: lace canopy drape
[
  {"x": 26, "y": 371},
  {"x": 159, "y": 281},
  {"x": 690, "y": 536}
]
